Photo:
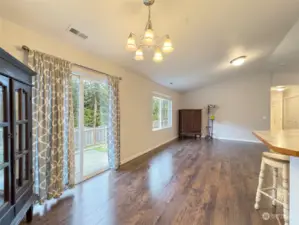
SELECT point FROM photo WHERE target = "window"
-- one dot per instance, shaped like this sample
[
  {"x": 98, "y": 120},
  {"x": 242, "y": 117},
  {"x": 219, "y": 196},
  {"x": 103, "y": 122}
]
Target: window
[{"x": 162, "y": 113}]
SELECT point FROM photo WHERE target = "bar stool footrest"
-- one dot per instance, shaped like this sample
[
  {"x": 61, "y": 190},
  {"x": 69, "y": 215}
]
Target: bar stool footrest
[{"x": 269, "y": 196}]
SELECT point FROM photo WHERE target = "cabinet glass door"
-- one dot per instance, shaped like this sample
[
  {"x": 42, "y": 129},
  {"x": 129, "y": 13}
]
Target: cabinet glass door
[
  {"x": 22, "y": 164},
  {"x": 4, "y": 143}
]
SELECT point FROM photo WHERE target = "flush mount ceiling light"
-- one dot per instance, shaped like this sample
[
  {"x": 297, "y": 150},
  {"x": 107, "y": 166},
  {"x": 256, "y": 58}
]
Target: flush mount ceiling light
[
  {"x": 280, "y": 88},
  {"x": 149, "y": 40},
  {"x": 238, "y": 61}
]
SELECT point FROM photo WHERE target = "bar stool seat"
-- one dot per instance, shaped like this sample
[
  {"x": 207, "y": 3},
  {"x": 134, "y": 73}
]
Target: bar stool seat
[
  {"x": 276, "y": 156},
  {"x": 275, "y": 161}
]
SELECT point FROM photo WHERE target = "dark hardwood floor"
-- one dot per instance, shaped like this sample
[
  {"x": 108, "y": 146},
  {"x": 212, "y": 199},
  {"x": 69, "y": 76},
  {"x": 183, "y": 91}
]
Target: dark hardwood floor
[{"x": 189, "y": 182}]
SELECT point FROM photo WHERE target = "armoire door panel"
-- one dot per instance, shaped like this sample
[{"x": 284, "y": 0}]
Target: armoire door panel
[
  {"x": 17, "y": 108},
  {"x": 4, "y": 100},
  {"x": 21, "y": 126},
  {"x": 189, "y": 122},
  {"x": 16, "y": 186},
  {"x": 5, "y": 153},
  {"x": 2, "y": 110},
  {"x": 2, "y": 145},
  {"x": 197, "y": 121},
  {"x": 2, "y": 187}
]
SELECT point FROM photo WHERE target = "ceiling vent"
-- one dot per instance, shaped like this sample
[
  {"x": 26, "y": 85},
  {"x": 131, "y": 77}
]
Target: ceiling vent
[{"x": 77, "y": 33}]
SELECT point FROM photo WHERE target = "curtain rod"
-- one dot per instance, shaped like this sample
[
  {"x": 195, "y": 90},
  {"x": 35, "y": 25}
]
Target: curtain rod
[{"x": 26, "y": 48}]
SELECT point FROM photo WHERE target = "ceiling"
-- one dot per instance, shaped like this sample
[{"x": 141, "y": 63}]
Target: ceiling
[
  {"x": 206, "y": 34},
  {"x": 286, "y": 55}
]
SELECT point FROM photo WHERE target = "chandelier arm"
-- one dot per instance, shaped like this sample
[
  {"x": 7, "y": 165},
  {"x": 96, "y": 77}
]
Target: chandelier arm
[
  {"x": 148, "y": 46},
  {"x": 133, "y": 34}
]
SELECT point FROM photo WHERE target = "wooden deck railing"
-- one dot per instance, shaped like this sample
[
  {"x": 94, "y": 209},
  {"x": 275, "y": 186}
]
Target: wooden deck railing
[{"x": 91, "y": 136}]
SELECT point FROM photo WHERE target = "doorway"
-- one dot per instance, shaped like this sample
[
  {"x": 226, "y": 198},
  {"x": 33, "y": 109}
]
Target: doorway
[
  {"x": 90, "y": 105},
  {"x": 284, "y": 107}
]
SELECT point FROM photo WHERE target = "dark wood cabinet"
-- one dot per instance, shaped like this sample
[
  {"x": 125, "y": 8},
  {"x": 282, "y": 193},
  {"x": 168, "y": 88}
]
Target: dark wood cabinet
[
  {"x": 16, "y": 183},
  {"x": 189, "y": 122}
]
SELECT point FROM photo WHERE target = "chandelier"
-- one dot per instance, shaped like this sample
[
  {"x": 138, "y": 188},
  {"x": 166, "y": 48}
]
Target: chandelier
[{"x": 149, "y": 40}]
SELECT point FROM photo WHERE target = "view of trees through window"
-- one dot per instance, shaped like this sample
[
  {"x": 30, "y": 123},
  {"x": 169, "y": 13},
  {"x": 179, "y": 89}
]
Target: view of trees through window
[
  {"x": 162, "y": 113},
  {"x": 156, "y": 109},
  {"x": 95, "y": 102}
]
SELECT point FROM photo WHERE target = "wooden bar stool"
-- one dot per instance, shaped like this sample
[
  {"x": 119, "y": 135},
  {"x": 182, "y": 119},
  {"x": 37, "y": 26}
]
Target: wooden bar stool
[{"x": 275, "y": 161}]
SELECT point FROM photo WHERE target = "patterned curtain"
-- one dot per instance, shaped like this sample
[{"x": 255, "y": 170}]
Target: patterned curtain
[
  {"x": 53, "y": 125},
  {"x": 114, "y": 123}
]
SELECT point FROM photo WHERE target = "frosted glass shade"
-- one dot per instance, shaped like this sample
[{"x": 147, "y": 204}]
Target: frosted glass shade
[
  {"x": 139, "y": 55},
  {"x": 149, "y": 36},
  {"x": 167, "y": 46},
  {"x": 158, "y": 57},
  {"x": 131, "y": 43}
]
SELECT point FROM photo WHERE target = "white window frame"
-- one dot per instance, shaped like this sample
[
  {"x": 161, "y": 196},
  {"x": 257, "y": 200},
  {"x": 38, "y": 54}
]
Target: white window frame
[{"x": 161, "y": 99}]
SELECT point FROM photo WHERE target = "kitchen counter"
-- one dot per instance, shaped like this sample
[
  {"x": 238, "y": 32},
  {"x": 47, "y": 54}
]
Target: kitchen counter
[{"x": 286, "y": 142}]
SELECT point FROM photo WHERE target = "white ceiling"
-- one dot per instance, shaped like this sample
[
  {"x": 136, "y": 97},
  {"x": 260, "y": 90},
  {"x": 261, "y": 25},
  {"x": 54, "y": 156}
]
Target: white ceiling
[
  {"x": 286, "y": 55},
  {"x": 206, "y": 34}
]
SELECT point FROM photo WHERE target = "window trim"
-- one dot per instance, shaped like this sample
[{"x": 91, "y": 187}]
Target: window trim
[{"x": 162, "y": 97}]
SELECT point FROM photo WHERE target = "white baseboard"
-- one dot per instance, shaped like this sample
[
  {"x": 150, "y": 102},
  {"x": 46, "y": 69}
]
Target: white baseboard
[
  {"x": 242, "y": 140},
  {"x": 144, "y": 152}
]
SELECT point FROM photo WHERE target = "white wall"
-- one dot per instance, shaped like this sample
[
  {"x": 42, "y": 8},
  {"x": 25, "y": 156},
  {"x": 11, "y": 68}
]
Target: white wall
[
  {"x": 135, "y": 91},
  {"x": 285, "y": 78},
  {"x": 276, "y": 110},
  {"x": 291, "y": 107},
  {"x": 243, "y": 106}
]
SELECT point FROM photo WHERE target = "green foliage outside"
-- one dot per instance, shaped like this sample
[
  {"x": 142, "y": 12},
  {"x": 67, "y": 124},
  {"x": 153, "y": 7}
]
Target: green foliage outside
[
  {"x": 156, "y": 106},
  {"x": 99, "y": 148},
  {"x": 164, "y": 110},
  {"x": 95, "y": 103}
]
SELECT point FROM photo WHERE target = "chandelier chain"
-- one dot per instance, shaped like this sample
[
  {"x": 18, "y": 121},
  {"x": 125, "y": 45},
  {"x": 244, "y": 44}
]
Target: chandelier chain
[{"x": 149, "y": 13}]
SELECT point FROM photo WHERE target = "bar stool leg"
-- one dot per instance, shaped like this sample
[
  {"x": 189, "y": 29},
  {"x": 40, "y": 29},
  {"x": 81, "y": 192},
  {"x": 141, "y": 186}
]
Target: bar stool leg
[
  {"x": 260, "y": 185},
  {"x": 285, "y": 185},
  {"x": 274, "y": 186}
]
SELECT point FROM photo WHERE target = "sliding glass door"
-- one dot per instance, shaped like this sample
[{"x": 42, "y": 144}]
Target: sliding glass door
[{"x": 90, "y": 99}]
